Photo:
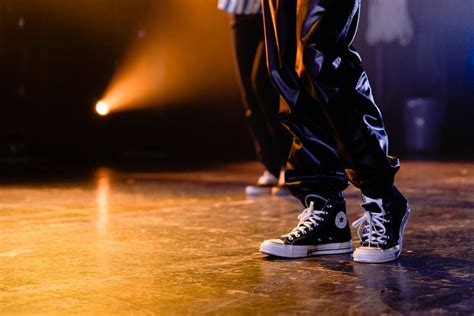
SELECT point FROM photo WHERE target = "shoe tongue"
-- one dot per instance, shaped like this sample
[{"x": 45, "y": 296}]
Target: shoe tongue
[
  {"x": 372, "y": 207},
  {"x": 319, "y": 201}
]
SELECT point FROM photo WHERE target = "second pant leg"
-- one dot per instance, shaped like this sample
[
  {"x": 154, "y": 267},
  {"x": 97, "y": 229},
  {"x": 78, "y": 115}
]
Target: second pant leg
[
  {"x": 320, "y": 78},
  {"x": 331, "y": 71}
]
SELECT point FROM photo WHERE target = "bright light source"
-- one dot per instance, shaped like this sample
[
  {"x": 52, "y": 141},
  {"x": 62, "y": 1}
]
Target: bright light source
[{"x": 102, "y": 108}]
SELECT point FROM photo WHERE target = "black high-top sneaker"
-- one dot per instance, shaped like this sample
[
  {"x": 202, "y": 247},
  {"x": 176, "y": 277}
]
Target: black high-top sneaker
[
  {"x": 381, "y": 228},
  {"x": 322, "y": 230}
]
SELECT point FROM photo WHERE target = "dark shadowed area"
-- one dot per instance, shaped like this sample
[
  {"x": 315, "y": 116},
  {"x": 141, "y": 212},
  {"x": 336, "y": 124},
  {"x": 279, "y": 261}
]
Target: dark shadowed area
[{"x": 58, "y": 59}]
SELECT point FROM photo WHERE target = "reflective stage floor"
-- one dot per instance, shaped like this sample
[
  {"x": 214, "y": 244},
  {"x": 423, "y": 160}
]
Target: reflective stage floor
[{"x": 123, "y": 242}]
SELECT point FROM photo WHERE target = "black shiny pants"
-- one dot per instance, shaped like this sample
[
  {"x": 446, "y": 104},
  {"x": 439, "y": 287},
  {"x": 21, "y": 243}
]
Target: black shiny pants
[
  {"x": 326, "y": 99},
  {"x": 260, "y": 99}
]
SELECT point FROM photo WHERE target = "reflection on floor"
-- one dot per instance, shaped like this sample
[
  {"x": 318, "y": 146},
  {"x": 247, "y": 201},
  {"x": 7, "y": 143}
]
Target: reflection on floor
[{"x": 118, "y": 242}]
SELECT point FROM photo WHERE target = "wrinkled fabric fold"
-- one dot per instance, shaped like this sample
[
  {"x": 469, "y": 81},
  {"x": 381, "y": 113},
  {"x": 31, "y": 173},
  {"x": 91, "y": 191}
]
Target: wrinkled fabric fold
[{"x": 326, "y": 98}]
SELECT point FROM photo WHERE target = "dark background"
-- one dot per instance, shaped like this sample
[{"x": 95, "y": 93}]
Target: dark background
[{"x": 56, "y": 61}]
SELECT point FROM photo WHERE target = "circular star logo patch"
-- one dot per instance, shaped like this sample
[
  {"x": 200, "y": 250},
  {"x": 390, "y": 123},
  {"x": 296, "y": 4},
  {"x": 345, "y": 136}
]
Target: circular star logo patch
[{"x": 341, "y": 220}]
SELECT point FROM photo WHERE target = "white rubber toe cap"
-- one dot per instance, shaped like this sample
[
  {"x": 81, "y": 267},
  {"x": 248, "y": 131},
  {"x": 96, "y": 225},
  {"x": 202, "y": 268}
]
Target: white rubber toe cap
[{"x": 375, "y": 255}]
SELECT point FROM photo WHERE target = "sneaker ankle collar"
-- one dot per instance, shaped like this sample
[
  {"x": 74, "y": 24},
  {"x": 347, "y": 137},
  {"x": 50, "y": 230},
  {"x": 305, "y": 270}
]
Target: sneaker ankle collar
[{"x": 319, "y": 201}]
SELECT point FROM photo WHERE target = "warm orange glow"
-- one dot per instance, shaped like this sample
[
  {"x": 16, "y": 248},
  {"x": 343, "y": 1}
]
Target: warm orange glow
[
  {"x": 103, "y": 197},
  {"x": 102, "y": 108},
  {"x": 182, "y": 54},
  {"x": 179, "y": 58}
]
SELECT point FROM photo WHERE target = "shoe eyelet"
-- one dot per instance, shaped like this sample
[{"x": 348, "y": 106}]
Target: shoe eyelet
[
  {"x": 329, "y": 206},
  {"x": 290, "y": 238}
]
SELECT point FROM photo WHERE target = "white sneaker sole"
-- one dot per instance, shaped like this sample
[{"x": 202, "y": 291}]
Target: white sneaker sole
[
  {"x": 278, "y": 249},
  {"x": 375, "y": 255}
]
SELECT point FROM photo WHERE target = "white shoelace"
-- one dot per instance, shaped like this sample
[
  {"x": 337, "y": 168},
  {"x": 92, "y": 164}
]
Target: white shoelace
[
  {"x": 308, "y": 219},
  {"x": 373, "y": 232}
]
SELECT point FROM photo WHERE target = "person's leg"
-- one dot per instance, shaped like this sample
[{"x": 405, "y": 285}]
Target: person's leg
[
  {"x": 268, "y": 101},
  {"x": 314, "y": 173},
  {"x": 260, "y": 102},
  {"x": 314, "y": 163},
  {"x": 320, "y": 78}
]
